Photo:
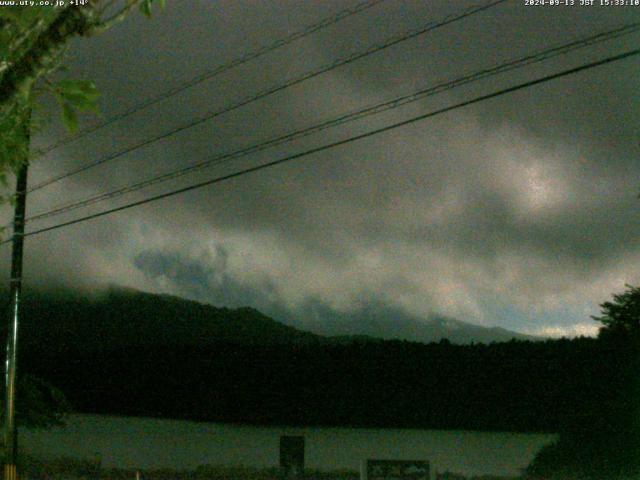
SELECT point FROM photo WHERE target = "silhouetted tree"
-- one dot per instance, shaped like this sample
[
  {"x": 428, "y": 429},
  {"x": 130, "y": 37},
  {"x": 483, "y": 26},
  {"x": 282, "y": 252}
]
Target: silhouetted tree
[
  {"x": 621, "y": 318},
  {"x": 604, "y": 441}
]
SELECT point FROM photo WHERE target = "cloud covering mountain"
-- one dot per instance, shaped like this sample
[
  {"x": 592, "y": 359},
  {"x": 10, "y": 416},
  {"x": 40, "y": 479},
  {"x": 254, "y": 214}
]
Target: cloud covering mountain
[{"x": 520, "y": 212}]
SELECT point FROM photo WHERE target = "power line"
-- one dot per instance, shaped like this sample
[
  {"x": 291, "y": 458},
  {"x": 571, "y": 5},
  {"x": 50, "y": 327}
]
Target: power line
[
  {"x": 270, "y": 91},
  {"x": 208, "y": 75},
  {"x": 339, "y": 143},
  {"x": 349, "y": 117}
]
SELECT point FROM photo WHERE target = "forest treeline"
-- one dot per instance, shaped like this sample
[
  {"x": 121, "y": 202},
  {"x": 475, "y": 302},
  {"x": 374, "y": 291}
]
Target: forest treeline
[{"x": 547, "y": 386}]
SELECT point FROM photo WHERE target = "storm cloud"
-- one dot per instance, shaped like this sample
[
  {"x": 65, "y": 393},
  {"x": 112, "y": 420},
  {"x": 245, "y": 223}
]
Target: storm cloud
[{"x": 519, "y": 212}]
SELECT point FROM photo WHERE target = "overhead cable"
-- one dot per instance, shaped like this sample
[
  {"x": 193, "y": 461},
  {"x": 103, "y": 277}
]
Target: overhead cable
[
  {"x": 396, "y": 39},
  {"x": 345, "y": 118},
  {"x": 311, "y": 151},
  {"x": 209, "y": 74}
]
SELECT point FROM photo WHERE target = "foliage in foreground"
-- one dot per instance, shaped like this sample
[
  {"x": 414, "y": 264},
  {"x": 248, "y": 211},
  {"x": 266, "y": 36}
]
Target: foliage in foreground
[
  {"x": 588, "y": 457},
  {"x": 32, "y": 47},
  {"x": 604, "y": 443},
  {"x": 41, "y": 404}
]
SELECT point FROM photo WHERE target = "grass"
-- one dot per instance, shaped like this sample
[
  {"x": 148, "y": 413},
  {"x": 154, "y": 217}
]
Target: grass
[{"x": 78, "y": 469}]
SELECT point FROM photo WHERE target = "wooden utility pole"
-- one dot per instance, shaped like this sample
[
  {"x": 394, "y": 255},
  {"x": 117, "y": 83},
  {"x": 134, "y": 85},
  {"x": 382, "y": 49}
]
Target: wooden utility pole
[{"x": 15, "y": 291}]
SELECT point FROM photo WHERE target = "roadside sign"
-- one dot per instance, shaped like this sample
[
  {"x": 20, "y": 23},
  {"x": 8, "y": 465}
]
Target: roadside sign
[
  {"x": 292, "y": 456},
  {"x": 395, "y": 470}
]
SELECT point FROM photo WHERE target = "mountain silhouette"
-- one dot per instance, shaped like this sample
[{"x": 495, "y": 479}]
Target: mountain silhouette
[{"x": 119, "y": 318}]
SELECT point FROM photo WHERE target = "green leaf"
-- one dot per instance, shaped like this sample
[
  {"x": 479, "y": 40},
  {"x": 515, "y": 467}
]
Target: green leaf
[
  {"x": 82, "y": 103},
  {"x": 69, "y": 117},
  {"x": 24, "y": 17},
  {"x": 78, "y": 87},
  {"x": 80, "y": 94},
  {"x": 145, "y": 7}
]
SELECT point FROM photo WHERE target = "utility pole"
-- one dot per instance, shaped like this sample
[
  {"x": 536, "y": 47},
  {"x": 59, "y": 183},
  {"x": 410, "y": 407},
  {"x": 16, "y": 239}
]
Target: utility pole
[{"x": 15, "y": 291}]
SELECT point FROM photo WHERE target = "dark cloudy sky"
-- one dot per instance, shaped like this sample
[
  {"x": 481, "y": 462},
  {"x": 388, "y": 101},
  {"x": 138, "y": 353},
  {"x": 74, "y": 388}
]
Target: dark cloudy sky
[{"x": 519, "y": 212}]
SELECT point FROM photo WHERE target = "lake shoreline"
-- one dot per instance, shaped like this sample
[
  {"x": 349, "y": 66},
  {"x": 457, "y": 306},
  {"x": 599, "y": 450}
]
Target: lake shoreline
[
  {"x": 152, "y": 444},
  {"x": 315, "y": 425}
]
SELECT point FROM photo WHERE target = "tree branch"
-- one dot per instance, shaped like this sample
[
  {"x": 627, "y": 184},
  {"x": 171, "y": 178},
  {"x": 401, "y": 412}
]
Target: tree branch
[
  {"x": 116, "y": 17},
  {"x": 70, "y": 22}
]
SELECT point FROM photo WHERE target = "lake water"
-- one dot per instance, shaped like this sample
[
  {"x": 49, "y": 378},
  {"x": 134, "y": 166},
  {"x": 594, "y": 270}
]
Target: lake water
[{"x": 133, "y": 442}]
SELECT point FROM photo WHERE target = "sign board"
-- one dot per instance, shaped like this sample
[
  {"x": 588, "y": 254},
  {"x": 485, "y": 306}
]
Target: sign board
[
  {"x": 292, "y": 456},
  {"x": 395, "y": 470}
]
